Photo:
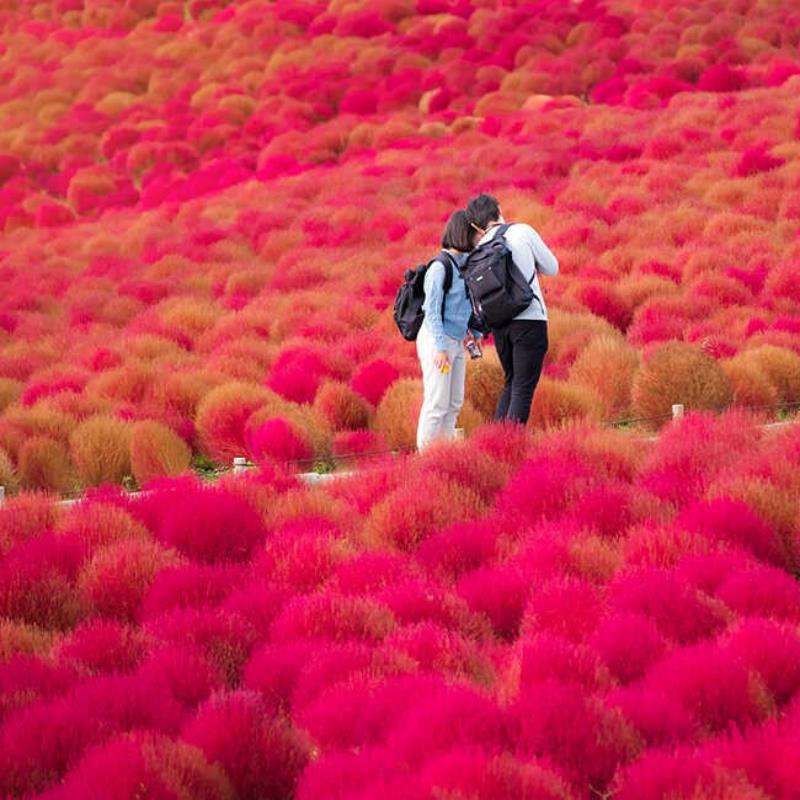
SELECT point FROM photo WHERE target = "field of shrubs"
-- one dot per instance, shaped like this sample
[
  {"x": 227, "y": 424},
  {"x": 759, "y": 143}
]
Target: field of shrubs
[{"x": 206, "y": 208}]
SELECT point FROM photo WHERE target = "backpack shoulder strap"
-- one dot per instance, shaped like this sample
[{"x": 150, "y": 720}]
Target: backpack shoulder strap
[
  {"x": 501, "y": 230},
  {"x": 446, "y": 260}
]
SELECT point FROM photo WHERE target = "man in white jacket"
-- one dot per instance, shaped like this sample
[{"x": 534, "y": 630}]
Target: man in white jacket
[{"x": 522, "y": 343}]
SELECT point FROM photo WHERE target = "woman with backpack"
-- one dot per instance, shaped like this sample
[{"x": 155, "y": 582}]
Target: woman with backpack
[{"x": 440, "y": 341}]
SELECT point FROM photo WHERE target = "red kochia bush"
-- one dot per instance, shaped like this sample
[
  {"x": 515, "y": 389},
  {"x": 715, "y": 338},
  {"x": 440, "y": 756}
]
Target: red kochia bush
[
  {"x": 500, "y": 593},
  {"x": 262, "y": 755},
  {"x": 471, "y": 770},
  {"x": 717, "y": 688},
  {"x": 373, "y": 379},
  {"x": 297, "y": 374},
  {"x": 143, "y": 764},
  {"x": 191, "y": 586},
  {"x": 347, "y": 774},
  {"x": 25, "y": 679},
  {"x": 370, "y": 571},
  {"x": 772, "y": 650},
  {"x": 116, "y": 579},
  {"x": 327, "y": 664},
  {"x": 332, "y": 616},
  {"x": 376, "y": 705},
  {"x": 628, "y": 644},
  {"x": 545, "y": 657},
  {"x": 756, "y": 159},
  {"x": 224, "y": 637},
  {"x": 37, "y": 581},
  {"x": 407, "y": 515},
  {"x": 421, "y": 601},
  {"x": 556, "y": 480},
  {"x": 274, "y": 669},
  {"x": 732, "y": 521},
  {"x": 457, "y": 715},
  {"x": 564, "y": 606},
  {"x": 585, "y": 738},
  {"x": 460, "y": 548},
  {"x": 762, "y": 590},
  {"x": 681, "y": 612},
  {"x": 280, "y": 440},
  {"x": 103, "y": 646},
  {"x": 209, "y": 525},
  {"x": 39, "y": 744}
]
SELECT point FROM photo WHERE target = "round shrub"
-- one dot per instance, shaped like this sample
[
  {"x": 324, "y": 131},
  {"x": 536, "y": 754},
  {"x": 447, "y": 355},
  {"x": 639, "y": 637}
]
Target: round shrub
[
  {"x": 262, "y": 755},
  {"x": 225, "y": 638},
  {"x": 222, "y": 415},
  {"x": 587, "y": 739},
  {"x": 98, "y": 524},
  {"x": 145, "y": 764},
  {"x": 398, "y": 413},
  {"x": 373, "y": 379},
  {"x": 8, "y": 475},
  {"x": 782, "y": 368},
  {"x": 750, "y": 384},
  {"x": 679, "y": 373},
  {"x": 332, "y": 616},
  {"x": 629, "y": 644},
  {"x": 278, "y": 439},
  {"x": 209, "y": 525},
  {"x": 37, "y": 582},
  {"x": 484, "y": 383},
  {"x": 10, "y": 392},
  {"x": 471, "y": 770},
  {"x": 157, "y": 450},
  {"x": 45, "y": 464},
  {"x": 408, "y": 515},
  {"x": 341, "y": 407},
  {"x": 607, "y": 365},
  {"x": 717, "y": 689},
  {"x": 116, "y": 580},
  {"x": 100, "y": 449},
  {"x": 557, "y": 402},
  {"x": 103, "y": 646}
]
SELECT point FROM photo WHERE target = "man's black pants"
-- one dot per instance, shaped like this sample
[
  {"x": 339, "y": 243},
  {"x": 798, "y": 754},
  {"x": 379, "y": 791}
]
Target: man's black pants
[{"x": 521, "y": 346}]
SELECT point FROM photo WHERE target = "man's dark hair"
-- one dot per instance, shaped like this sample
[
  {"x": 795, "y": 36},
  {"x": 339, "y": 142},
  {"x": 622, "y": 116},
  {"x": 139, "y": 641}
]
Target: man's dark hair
[
  {"x": 483, "y": 210},
  {"x": 457, "y": 233}
]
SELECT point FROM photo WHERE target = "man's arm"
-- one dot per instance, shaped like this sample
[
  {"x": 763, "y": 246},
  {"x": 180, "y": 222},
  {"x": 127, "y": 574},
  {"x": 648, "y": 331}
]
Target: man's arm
[
  {"x": 534, "y": 249},
  {"x": 546, "y": 262}
]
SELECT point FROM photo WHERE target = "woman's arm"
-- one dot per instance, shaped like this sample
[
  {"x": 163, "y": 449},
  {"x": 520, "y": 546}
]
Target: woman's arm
[{"x": 434, "y": 296}]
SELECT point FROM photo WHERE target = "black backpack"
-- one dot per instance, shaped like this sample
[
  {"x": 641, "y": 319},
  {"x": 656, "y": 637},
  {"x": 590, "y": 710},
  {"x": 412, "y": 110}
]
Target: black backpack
[
  {"x": 408, "y": 301},
  {"x": 498, "y": 289}
]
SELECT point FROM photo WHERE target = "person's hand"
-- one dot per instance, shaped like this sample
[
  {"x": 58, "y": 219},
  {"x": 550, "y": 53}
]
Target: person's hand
[{"x": 442, "y": 361}]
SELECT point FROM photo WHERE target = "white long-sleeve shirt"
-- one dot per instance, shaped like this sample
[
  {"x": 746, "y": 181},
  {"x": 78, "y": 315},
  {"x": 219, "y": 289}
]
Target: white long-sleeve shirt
[{"x": 532, "y": 256}]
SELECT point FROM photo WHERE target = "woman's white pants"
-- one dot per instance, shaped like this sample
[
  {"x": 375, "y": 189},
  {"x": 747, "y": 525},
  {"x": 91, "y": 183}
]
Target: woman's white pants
[{"x": 444, "y": 392}]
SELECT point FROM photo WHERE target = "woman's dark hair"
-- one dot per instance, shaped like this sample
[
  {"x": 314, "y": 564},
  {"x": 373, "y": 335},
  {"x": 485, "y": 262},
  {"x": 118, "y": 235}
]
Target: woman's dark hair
[
  {"x": 483, "y": 210},
  {"x": 457, "y": 233}
]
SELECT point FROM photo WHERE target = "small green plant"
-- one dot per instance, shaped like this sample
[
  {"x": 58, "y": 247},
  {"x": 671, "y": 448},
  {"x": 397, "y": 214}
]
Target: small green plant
[
  {"x": 204, "y": 467},
  {"x": 324, "y": 466}
]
